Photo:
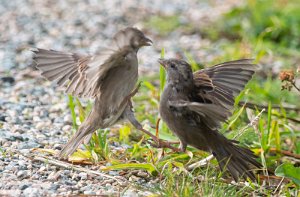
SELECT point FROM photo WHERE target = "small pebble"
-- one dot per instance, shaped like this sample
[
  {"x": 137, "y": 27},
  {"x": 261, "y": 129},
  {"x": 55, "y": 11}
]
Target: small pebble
[
  {"x": 89, "y": 193},
  {"x": 22, "y": 174},
  {"x": 83, "y": 175}
]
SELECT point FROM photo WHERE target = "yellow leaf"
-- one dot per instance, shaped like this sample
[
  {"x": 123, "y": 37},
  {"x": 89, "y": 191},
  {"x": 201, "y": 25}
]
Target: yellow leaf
[{"x": 80, "y": 156}]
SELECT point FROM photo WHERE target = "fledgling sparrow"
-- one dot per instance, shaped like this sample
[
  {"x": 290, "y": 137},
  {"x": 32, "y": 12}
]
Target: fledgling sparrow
[
  {"x": 108, "y": 77},
  {"x": 194, "y": 104}
]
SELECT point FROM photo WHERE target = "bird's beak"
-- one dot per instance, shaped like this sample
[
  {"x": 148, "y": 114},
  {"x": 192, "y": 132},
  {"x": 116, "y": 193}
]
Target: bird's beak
[
  {"x": 162, "y": 62},
  {"x": 147, "y": 42}
]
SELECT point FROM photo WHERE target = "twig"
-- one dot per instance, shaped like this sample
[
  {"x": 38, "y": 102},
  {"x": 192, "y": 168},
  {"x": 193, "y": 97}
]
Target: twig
[
  {"x": 289, "y": 118},
  {"x": 200, "y": 163},
  {"x": 287, "y": 153},
  {"x": 255, "y": 127},
  {"x": 260, "y": 107},
  {"x": 73, "y": 167},
  {"x": 252, "y": 123},
  {"x": 294, "y": 84},
  {"x": 278, "y": 185},
  {"x": 284, "y": 152}
]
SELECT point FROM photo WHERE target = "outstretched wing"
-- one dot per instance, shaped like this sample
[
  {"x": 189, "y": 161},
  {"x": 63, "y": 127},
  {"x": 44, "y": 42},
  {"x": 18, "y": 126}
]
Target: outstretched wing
[
  {"x": 221, "y": 83},
  {"x": 83, "y": 75},
  {"x": 80, "y": 73},
  {"x": 213, "y": 98}
]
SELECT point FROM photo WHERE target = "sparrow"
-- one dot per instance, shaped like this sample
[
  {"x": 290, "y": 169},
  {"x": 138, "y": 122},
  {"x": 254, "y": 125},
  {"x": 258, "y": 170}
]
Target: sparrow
[
  {"x": 193, "y": 105},
  {"x": 108, "y": 77}
]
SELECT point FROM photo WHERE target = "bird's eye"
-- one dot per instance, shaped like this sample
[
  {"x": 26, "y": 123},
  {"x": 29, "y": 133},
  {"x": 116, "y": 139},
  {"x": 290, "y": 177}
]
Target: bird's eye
[{"x": 172, "y": 65}]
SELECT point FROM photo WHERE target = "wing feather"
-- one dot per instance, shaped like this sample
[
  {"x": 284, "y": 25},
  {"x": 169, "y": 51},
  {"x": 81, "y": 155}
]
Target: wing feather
[
  {"x": 209, "y": 114},
  {"x": 79, "y": 72},
  {"x": 228, "y": 79}
]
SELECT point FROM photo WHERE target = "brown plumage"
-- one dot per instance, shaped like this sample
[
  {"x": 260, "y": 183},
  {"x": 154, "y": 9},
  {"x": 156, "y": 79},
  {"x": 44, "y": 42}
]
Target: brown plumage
[
  {"x": 194, "y": 104},
  {"x": 108, "y": 77}
]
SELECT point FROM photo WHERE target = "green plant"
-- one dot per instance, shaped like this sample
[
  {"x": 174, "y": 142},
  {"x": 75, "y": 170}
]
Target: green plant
[
  {"x": 274, "y": 21},
  {"x": 270, "y": 132}
]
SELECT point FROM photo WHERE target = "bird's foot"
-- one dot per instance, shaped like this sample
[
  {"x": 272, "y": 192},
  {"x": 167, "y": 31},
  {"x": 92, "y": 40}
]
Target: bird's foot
[{"x": 160, "y": 143}]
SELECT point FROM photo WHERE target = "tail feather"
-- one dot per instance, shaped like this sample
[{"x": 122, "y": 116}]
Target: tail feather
[
  {"x": 240, "y": 161},
  {"x": 75, "y": 141}
]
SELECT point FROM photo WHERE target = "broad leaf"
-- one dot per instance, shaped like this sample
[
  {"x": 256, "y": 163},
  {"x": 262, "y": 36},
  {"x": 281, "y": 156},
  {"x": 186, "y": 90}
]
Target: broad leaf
[{"x": 289, "y": 171}]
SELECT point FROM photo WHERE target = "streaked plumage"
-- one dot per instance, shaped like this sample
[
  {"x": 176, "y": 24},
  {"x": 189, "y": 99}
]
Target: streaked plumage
[
  {"x": 194, "y": 104},
  {"x": 108, "y": 77}
]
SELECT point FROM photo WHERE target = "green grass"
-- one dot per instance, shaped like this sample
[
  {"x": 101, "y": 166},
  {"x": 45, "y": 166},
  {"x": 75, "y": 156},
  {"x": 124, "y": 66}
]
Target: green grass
[
  {"x": 259, "y": 29},
  {"x": 272, "y": 21},
  {"x": 271, "y": 133}
]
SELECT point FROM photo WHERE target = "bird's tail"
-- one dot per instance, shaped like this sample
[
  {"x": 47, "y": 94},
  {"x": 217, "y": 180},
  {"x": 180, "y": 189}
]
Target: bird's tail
[
  {"x": 240, "y": 161},
  {"x": 82, "y": 133}
]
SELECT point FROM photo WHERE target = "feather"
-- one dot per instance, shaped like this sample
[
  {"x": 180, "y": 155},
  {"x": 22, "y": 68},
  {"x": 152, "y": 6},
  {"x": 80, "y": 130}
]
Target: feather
[
  {"x": 79, "y": 70},
  {"x": 227, "y": 80}
]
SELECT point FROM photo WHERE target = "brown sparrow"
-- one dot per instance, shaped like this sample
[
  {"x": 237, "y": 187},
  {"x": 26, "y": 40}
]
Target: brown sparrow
[
  {"x": 108, "y": 77},
  {"x": 194, "y": 104}
]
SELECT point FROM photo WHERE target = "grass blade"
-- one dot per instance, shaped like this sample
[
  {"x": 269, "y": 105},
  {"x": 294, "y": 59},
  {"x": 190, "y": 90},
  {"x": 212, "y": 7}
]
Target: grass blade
[
  {"x": 72, "y": 108},
  {"x": 162, "y": 73}
]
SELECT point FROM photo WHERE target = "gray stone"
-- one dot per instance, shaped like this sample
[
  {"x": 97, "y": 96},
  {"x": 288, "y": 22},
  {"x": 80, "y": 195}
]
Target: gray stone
[
  {"x": 82, "y": 175},
  {"x": 32, "y": 192},
  {"x": 142, "y": 174},
  {"x": 54, "y": 175},
  {"x": 57, "y": 146},
  {"x": 24, "y": 186},
  {"x": 40, "y": 125},
  {"x": 54, "y": 187},
  {"x": 67, "y": 128},
  {"x": 22, "y": 174},
  {"x": 89, "y": 192},
  {"x": 35, "y": 177},
  {"x": 85, "y": 188},
  {"x": 29, "y": 145}
]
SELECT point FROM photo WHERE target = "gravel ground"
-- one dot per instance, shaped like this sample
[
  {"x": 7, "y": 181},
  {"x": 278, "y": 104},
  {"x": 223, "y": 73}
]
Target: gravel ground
[{"x": 34, "y": 115}]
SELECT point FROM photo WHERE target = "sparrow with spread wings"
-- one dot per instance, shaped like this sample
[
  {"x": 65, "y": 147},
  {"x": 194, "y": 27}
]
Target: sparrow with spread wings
[
  {"x": 108, "y": 77},
  {"x": 194, "y": 104}
]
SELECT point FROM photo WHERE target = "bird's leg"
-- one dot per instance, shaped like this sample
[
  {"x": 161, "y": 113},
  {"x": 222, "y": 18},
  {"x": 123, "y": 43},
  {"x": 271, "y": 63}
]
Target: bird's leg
[
  {"x": 182, "y": 146},
  {"x": 157, "y": 132},
  {"x": 128, "y": 113},
  {"x": 159, "y": 143},
  {"x": 163, "y": 143}
]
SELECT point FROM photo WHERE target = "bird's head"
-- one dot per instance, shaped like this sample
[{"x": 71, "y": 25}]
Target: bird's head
[
  {"x": 178, "y": 71},
  {"x": 132, "y": 37}
]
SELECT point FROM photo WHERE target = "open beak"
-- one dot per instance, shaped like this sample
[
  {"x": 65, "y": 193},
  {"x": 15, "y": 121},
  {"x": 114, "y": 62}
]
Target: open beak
[
  {"x": 162, "y": 62},
  {"x": 147, "y": 42}
]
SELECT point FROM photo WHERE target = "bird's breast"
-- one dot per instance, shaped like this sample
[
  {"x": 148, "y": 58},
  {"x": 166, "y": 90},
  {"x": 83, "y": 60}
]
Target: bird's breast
[{"x": 118, "y": 84}]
